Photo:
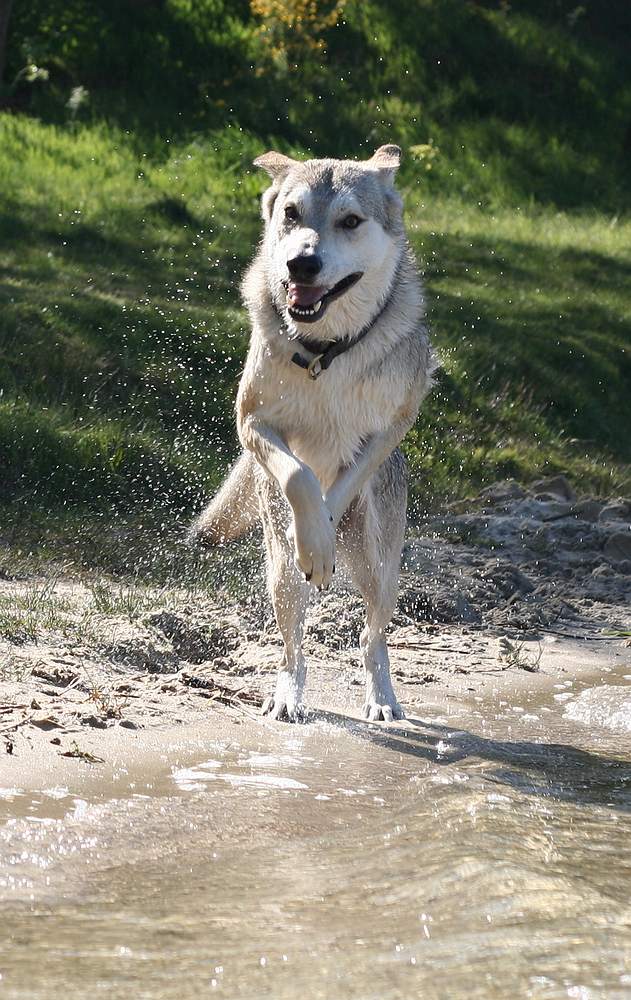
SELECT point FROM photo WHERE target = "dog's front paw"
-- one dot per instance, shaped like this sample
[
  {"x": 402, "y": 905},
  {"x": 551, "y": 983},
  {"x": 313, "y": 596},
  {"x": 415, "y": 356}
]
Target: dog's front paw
[
  {"x": 313, "y": 537},
  {"x": 379, "y": 712},
  {"x": 285, "y": 710}
]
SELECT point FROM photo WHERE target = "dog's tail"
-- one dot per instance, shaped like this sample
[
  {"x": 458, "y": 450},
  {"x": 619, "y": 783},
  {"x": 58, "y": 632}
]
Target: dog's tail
[{"x": 233, "y": 511}]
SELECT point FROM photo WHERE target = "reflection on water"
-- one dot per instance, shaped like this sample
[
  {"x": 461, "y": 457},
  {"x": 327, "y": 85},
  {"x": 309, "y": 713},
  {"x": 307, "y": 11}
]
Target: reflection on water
[{"x": 483, "y": 856}]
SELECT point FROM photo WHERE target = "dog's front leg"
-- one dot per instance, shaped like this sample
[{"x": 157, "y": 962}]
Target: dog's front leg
[
  {"x": 313, "y": 524},
  {"x": 311, "y": 541},
  {"x": 350, "y": 480}
]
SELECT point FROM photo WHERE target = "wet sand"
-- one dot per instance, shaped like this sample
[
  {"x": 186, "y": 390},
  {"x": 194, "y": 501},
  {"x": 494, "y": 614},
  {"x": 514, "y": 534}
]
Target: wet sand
[
  {"x": 515, "y": 590},
  {"x": 564, "y": 666}
]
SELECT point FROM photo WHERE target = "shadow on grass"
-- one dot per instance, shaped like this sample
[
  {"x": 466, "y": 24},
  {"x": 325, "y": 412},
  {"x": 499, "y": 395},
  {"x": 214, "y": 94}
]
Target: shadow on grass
[
  {"x": 120, "y": 356},
  {"x": 515, "y": 318}
]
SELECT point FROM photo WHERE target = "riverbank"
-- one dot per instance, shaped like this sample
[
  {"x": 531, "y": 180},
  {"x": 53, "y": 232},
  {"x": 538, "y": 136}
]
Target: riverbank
[
  {"x": 482, "y": 842},
  {"x": 171, "y": 732},
  {"x": 516, "y": 591}
]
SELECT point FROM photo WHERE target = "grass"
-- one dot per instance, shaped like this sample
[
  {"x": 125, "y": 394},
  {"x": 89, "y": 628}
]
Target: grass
[
  {"x": 29, "y": 611},
  {"x": 517, "y": 654},
  {"x": 123, "y": 336},
  {"x": 522, "y": 99},
  {"x": 127, "y": 601},
  {"x": 125, "y": 229},
  {"x": 532, "y": 318},
  {"x": 34, "y": 610}
]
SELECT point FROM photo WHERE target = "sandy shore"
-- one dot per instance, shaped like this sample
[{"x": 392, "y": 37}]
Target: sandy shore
[
  {"x": 107, "y": 755},
  {"x": 516, "y": 591}
]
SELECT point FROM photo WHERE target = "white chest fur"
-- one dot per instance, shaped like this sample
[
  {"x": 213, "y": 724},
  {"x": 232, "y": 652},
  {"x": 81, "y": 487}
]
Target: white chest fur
[{"x": 326, "y": 420}]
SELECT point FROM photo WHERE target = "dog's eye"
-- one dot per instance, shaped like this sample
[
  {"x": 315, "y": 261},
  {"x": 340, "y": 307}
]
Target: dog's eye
[
  {"x": 350, "y": 222},
  {"x": 291, "y": 213}
]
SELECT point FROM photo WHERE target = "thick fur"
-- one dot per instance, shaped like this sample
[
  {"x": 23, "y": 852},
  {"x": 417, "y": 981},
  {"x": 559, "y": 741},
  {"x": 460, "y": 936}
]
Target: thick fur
[
  {"x": 321, "y": 455},
  {"x": 233, "y": 511}
]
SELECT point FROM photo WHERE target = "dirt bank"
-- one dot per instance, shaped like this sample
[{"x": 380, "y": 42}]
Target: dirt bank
[{"x": 512, "y": 588}]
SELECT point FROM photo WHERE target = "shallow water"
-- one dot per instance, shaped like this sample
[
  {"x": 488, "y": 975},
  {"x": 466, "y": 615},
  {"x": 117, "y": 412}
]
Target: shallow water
[{"x": 483, "y": 855}]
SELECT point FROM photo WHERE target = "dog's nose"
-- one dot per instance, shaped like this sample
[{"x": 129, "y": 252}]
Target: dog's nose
[{"x": 304, "y": 267}]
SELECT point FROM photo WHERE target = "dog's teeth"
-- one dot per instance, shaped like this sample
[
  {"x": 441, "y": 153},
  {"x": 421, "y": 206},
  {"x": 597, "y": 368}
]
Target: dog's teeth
[{"x": 306, "y": 310}]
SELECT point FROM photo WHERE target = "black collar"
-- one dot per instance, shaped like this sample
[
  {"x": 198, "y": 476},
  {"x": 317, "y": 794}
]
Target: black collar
[{"x": 325, "y": 351}]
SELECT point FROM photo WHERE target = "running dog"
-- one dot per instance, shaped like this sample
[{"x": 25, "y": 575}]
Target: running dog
[{"x": 338, "y": 365}]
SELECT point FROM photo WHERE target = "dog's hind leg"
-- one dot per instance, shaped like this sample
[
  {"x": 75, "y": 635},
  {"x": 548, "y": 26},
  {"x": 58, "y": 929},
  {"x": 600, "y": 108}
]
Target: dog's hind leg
[
  {"x": 371, "y": 539},
  {"x": 290, "y": 596}
]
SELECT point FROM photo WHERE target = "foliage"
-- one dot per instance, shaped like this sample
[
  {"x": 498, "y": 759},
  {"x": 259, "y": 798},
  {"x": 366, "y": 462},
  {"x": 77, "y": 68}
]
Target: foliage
[
  {"x": 129, "y": 213},
  {"x": 425, "y": 153},
  {"x": 292, "y": 30},
  {"x": 505, "y": 91}
]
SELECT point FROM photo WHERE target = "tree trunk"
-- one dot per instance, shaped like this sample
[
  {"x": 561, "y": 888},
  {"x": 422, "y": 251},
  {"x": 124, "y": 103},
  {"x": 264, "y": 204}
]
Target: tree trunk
[{"x": 5, "y": 14}]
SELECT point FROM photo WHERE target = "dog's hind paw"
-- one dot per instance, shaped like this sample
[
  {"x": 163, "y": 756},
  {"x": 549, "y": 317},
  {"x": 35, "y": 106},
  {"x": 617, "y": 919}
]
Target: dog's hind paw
[
  {"x": 284, "y": 711},
  {"x": 375, "y": 712}
]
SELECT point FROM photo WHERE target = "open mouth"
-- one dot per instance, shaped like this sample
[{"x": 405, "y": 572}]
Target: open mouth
[{"x": 308, "y": 303}]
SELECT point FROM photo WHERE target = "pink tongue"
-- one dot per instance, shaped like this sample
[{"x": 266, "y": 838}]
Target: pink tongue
[{"x": 304, "y": 295}]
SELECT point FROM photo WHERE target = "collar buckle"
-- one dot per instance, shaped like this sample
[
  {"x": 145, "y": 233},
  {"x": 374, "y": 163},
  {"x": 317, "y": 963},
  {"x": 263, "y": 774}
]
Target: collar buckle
[{"x": 314, "y": 368}]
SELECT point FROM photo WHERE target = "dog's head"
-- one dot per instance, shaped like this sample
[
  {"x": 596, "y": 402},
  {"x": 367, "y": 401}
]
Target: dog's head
[{"x": 333, "y": 238}]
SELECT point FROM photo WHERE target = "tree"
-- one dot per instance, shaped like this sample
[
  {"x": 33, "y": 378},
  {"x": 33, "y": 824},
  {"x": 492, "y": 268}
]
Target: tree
[
  {"x": 5, "y": 14},
  {"x": 292, "y": 29}
]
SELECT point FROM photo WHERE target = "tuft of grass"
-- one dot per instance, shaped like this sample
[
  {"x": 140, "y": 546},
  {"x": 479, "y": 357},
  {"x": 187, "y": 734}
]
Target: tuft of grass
[
  {"x": 128, "y": 601},
  {"x": 106, "y": 702},
  {"x": 25, "y": 614},
  {"x": 516, "y": 654},
  {"x": 13, "y": 668}
]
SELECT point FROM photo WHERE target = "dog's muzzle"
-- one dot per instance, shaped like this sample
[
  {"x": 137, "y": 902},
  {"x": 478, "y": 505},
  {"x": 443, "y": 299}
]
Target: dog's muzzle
[{"x": 308, "y": 303}]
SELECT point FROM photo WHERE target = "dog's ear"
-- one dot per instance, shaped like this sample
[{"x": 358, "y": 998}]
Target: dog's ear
[
  {"x": 276, "y": 164},
  {"x": 386, "y": 160},
  {"x": 268, "y": 199}
]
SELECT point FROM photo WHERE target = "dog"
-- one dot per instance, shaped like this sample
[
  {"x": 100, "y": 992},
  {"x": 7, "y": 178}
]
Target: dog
[{"x": 338, "y": 365}]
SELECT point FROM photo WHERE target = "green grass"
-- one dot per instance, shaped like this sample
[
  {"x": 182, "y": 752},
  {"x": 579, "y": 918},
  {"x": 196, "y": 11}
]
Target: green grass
[
  {"x": 24, "y": 614},
  {"x": 125, "y": 229},
  {"x": 122, "y": 335},
  {"x": 525, "y": 100},
  {"x": 531, "y": 313}
]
